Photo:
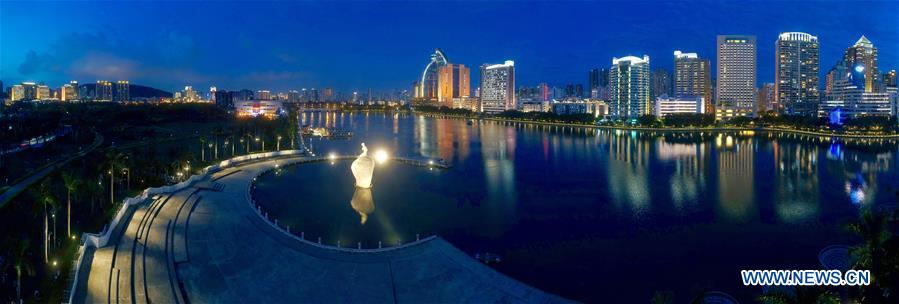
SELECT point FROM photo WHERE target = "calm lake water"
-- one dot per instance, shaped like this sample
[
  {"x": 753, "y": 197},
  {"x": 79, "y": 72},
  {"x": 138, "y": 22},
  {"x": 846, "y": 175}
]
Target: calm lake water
[{"x": 592, "y": 215}]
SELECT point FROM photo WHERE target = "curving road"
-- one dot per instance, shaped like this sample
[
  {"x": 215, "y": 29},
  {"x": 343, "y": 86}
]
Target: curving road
[
  {"x": 206, "y": 244},
  {"x": 17, "y": 188}
]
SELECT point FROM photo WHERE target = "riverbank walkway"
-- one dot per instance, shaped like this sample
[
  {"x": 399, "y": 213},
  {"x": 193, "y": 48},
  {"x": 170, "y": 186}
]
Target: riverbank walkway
[{"x": 207, "y": 244}]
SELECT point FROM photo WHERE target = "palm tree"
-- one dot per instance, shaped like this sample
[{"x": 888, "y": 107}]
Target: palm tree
[
  {"x": 71, "y": 183},
  {"x": 47, "y": 200},
  {"x": 18, "y": 260},
  {"x": 873, "y": 228},
  {"x": 203, "y": 149},
  {"x": 113, "y": 159}
]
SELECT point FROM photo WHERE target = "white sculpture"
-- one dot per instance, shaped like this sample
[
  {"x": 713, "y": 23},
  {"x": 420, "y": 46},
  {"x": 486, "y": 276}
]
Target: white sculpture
[
  {"x": 363, "y": 203},
  {"x": 363, "y": 168}
]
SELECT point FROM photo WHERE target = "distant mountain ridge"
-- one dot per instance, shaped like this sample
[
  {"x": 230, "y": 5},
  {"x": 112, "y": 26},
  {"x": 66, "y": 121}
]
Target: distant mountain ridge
[{"x": 135, "y": 91}]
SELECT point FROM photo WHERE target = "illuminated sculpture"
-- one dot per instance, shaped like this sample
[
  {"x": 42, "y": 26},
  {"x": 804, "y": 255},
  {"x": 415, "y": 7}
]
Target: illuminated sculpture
[
  {"x": 363, "y": 168},
  {"x": 363, "y": 203}
]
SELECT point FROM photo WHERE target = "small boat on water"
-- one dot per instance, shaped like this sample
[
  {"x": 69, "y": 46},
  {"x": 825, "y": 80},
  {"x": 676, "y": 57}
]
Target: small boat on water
[{"x": 487, "y": 257}]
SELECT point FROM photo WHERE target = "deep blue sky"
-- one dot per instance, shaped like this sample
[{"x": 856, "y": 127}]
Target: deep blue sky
[{"x": 385, "y": 45}]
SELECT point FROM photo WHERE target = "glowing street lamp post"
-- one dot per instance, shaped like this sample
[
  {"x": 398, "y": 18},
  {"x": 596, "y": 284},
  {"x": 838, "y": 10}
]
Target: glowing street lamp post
[{"x": 279, "y": 143}]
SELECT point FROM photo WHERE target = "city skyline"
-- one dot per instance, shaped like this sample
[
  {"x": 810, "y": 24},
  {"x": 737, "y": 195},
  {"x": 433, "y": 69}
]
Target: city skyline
[{"x": 212, "y": 51}]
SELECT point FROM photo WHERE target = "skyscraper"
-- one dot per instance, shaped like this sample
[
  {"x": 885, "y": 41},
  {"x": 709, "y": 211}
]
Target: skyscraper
[
  {"x": 693, "y": 77},
  {"x": 426, "y": 90},
  {"x": 766, "y": 100},
  {"x": 453, "y": 83},
  {"x": 103, "y": 91},
  {"x": 593, "y": 79},
  {"x": 661, "y": 83},
  {"x": 497, "y": 87},
  {"x": 796, "y": 75},
  {"x": 889, "y": 79},
  {"x": 68, "y": 92},
  {"x": 736, "y": 76},
  {"x": 629, "y": 87},
  {"x": 122, "y": 91},
  {"x": 862, "y": 57}
]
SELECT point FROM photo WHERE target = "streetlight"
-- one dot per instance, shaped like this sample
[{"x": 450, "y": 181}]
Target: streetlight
[
  {"x": 127, "y": 173},
  {"x": 279, "y": 143}
]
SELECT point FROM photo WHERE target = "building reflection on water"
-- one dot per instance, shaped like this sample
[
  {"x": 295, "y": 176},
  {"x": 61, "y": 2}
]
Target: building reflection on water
[
  {"x": 735, "y": 169},
  {"x": 738, "y": 172}
]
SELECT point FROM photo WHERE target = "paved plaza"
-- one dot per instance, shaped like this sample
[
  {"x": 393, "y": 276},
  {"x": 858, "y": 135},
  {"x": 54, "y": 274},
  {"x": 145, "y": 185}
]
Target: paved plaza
[{"x": 206, "y": 244}]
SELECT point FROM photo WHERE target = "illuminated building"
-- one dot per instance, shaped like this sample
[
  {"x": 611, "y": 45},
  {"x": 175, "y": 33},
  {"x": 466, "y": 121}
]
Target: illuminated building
[
  {"x": 42, "y": 92},
  {"x": 497, "y": 87},
  {"x": 17, "y": 92},
  {"x": 796, "y": 76},
  {"x": 629, "y": 87},
  {"x": 103, "y": 91},
  {"x": 588, "y": 106},
  {"x": 122, "y": 91},
  {"x": 453, "y": 84},
  {"x": 426, "y": 90},
  {"x": 665, "y": 105},
  {"x": 849, "y": 100},
  {"x": 863, "y": 56},
  {"x": 661, "y": 84},
  {"x": 765, "y": 101},
  {"x": 327, "y": 94},
  {"x": 259, "y": 108},
  {"x": 693, "y": 77},
  {"x": 593, "y": 79},
  {"x": 736, "y": 76},
  {"x": 889, "y": 79},
  {"x": 263, "y": 95},
  {"x": 68, "y": 92}
]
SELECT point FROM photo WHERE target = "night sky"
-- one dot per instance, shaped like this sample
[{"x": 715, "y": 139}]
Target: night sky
[{"x": 385, "y": 45}]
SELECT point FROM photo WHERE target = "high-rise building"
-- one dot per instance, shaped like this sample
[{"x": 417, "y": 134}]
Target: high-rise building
[
  {"x": 629, "y": 87},
  {"x": 888, "y": 79},
  {"x": 103, "y": 91},
  {"x": 426, "y": 91},
  {"x": 68, "y": 92},
  {"x": 766, "y": 100},
  {"x": 224, "y": 99},
  {"x": 453, "y": 84},
  {"x": 17, "y": 92},
  {"x": 796, "y": 75},
  {"x": 327, "y": 94},
  {"x": 693, "y": 77},
  {"x": 42, "y": 92},
  {"x": 593, "y": 82},
  {"x": 862, "y": 58},
  {"x": 545, "y": 91},
  {"x": 661, "y": 84},
  {"x": 497, "y": 87},
  {"x": 122, "y": 91},
  {"x": 263, "y": 95},
  {"x": 736, "y": 78}
]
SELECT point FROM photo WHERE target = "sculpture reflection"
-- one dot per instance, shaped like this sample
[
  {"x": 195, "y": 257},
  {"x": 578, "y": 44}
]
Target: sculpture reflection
[
  {"x": 363, "y": 168},
  {"x": 363, "y": 203}
]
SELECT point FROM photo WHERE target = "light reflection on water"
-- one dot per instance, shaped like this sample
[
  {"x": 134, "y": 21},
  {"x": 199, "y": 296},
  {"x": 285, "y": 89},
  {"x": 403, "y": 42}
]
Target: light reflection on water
[{"x": 555, "y": 201}]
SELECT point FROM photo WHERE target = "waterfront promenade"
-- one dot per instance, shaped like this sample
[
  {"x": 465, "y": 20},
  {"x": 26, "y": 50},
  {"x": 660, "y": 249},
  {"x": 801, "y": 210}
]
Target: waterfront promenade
[{"x": 207, "y": 244}]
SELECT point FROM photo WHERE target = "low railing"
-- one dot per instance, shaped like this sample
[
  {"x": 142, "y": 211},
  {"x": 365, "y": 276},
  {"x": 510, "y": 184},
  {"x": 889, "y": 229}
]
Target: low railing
[
  {"x": 302, "y": 238},
  {"x": 99, "y": 240}
]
